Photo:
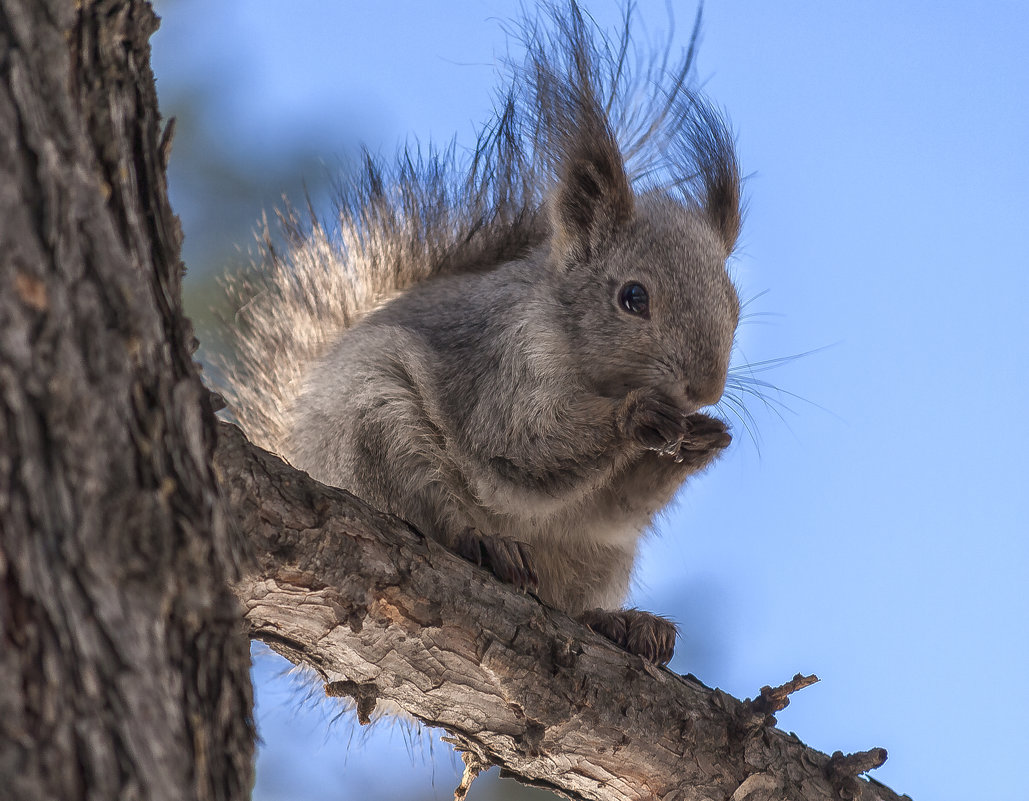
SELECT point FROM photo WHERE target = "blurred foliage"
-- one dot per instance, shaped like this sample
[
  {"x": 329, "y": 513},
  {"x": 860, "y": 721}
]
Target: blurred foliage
[{"x": 221, "y": 197}]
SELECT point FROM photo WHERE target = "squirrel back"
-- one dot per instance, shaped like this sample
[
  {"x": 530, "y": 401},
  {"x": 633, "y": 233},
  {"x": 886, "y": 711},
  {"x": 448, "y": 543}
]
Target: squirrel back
[{"x": 512, "y": 353}]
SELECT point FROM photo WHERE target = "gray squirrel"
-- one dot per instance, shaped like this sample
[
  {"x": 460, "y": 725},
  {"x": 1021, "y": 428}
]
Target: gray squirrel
[{"x": 511, "y": 353}]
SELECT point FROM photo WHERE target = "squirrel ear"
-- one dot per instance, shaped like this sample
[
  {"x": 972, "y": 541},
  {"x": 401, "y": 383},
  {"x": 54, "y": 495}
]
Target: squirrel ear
[
  {"x": 592, "y": 197},
  {"x": 707, "y": 149},
  {"x": 722, "y": 204}
]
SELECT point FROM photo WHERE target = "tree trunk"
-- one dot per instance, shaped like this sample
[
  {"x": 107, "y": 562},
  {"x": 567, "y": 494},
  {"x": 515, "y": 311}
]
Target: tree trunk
[{"x": 123, "y": 666}]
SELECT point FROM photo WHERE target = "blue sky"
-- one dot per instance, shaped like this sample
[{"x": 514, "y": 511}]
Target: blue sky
[{"x": 876, "y": 532}]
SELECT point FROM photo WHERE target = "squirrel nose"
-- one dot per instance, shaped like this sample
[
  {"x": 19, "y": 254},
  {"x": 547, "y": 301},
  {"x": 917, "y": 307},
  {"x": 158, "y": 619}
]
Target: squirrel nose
[{"x": 706, "y": 390}]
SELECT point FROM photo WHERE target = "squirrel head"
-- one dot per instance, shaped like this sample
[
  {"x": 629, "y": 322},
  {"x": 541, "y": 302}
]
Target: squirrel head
[{"x": 640, "y": 279}]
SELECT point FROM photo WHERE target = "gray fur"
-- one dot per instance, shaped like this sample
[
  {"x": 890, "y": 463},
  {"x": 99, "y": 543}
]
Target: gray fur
[{"x": 460, "y": 358}]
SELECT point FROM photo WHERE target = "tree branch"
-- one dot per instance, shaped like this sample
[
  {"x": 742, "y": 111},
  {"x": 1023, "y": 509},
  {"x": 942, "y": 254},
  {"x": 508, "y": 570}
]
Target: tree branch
[{"x": 383, "y": 613}]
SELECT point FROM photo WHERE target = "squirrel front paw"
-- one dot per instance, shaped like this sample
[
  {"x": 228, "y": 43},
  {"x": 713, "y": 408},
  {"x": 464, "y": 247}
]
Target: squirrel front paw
[
  {"x": 659, "y": 425},
  {"x": 509, "y": 559},
  {"x": 652, "y": 420},
  {"x": 638, "y": 632},
  {"x": 704, "y": 438}
]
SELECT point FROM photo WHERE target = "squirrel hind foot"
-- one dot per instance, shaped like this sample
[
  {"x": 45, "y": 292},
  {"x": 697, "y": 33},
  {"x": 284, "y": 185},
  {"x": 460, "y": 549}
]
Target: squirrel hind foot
[
  {"x": 509, "y": 559},
  {"x": 642, "y": 633}
]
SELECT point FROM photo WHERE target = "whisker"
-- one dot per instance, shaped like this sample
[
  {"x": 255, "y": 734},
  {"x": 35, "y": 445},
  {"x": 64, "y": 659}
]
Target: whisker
[
  {"x": 772, "y": 405},
  {"x": 751, "y": 319},
  {"x": 744, "y": 304},
  {"x": 740, "y": 411},
  {"x": 768, "y": 364},
  {"x": 767, "y": 385}
]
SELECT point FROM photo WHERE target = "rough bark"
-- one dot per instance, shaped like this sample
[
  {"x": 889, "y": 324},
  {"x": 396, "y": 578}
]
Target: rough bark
[
  {"x": 381, "y": 612},
  {"x": 123, "y": 666}
]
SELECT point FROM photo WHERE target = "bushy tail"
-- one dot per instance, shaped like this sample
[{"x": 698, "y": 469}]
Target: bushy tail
[
  {"x": 395, "y": 228},
  {"x": 436, "y": 213}
]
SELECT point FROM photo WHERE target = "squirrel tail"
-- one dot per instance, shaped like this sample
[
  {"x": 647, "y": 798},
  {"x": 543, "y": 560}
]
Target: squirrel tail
[
  {"x": 434, "y": 213},
  {"x": 395, "y": 227}
]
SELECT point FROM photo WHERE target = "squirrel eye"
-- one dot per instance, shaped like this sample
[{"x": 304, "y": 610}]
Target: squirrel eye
[{"x": 634, "y": 299}]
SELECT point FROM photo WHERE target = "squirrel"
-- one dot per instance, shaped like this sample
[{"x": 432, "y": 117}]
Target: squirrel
[{"x": 512, "y": 352}]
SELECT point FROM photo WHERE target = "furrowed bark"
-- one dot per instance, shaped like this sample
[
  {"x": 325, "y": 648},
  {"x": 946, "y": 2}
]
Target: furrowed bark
[
  {"x": 123, "y": 667},
  {"x": 381, "y": 612}
]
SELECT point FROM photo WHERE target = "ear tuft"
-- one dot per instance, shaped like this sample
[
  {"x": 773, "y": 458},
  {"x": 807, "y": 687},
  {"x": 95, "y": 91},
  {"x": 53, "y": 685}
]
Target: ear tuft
[
  {"x": 705, "y": 143},
  {"x": 592, "y": 198}
]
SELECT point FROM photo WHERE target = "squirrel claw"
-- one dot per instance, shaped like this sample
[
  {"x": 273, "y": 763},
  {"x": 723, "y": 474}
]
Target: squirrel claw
[
  {"x": 642, "y": 633},
  {"x": 672, "y": 448},
  {"x": 509, "y": 559}
]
